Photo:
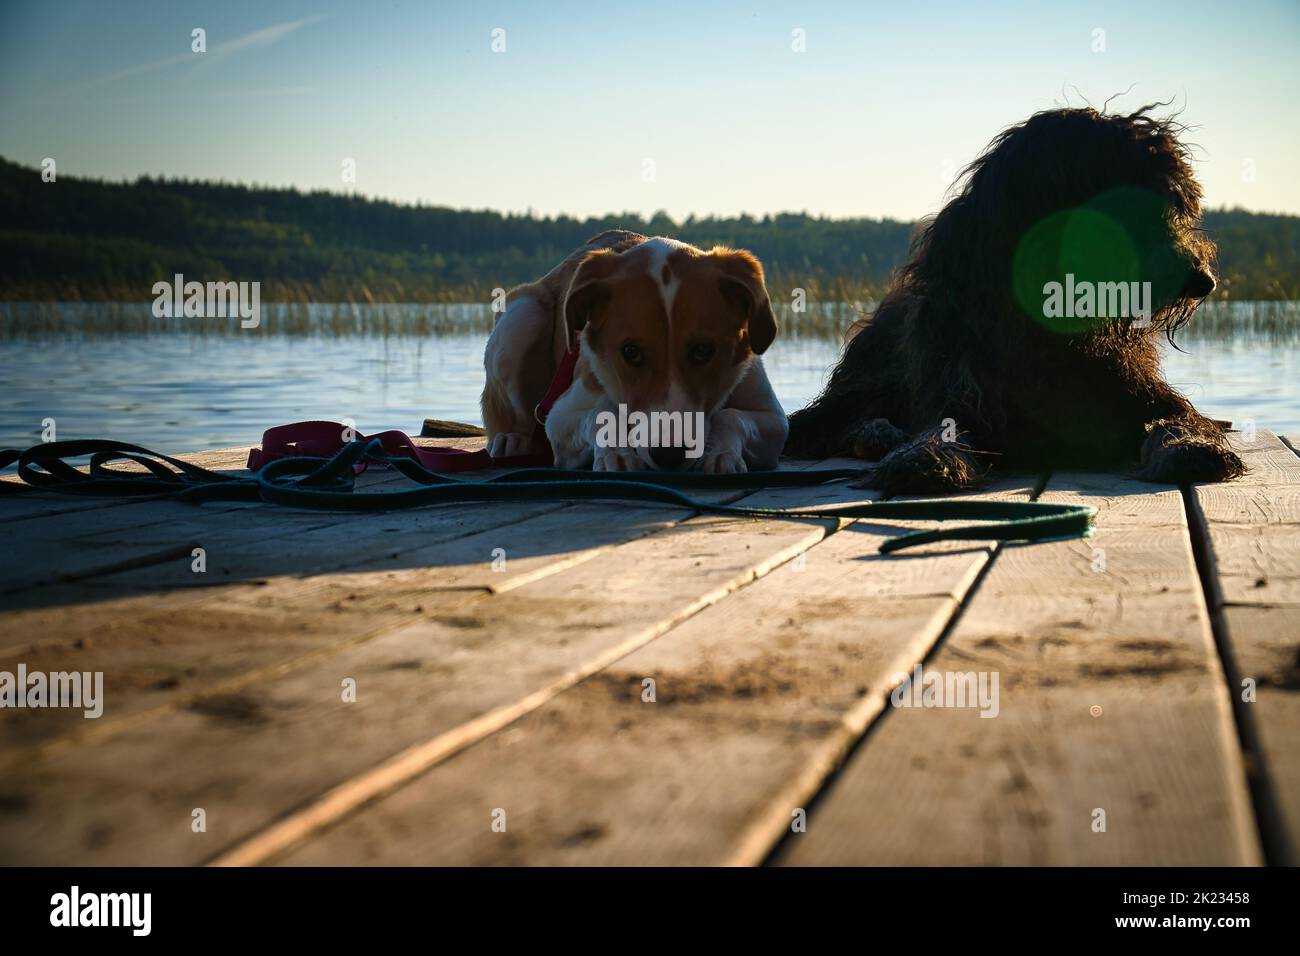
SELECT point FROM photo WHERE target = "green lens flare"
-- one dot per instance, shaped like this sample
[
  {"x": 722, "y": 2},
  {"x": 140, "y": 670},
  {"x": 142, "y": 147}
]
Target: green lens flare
[{"x": 1083, "y": 266}]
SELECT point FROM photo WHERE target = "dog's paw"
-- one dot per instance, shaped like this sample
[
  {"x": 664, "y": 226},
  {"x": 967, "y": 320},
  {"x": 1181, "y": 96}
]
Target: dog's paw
[
  {"x": 616, "y": 459},
  {"x": 926, "y": 465},
  {"x": 876, "y": 439},
  {"x": 724, "y": 452},
  {"x": 723, "y": 461},
  {"x": 1175, "y": 454},
  {"x": 509, "y": 444}
]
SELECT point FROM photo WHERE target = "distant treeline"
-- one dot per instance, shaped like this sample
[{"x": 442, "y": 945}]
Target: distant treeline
[{"x": 83, "y": 239}]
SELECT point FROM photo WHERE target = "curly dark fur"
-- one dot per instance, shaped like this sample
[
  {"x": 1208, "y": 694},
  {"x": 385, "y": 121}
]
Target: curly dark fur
[{"x": 958, "y": 346}]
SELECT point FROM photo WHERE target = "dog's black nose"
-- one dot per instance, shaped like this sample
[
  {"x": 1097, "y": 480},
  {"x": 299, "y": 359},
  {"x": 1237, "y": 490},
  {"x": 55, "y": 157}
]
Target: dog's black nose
[
  {"x": 668, "y": 458},
  {"x": 1199, "y": 284}
]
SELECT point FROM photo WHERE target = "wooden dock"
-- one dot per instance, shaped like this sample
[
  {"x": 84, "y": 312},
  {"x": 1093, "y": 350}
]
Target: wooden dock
[{"x": 599, "y": 683}]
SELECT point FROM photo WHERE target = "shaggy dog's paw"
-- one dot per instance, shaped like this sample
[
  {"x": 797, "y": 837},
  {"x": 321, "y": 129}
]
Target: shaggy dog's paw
[
  {"x": 923, "y": 466},
  {"x": 616, "y": 459},
  {"x": 1176, "y": 453},
  {"x": 876, "y": 439}
]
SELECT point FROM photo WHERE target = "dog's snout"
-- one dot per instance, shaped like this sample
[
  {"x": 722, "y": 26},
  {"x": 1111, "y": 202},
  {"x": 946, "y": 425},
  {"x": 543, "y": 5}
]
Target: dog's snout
[
  {"x": 668, "y": 458},
  {"x": 1200, "y": 283}
]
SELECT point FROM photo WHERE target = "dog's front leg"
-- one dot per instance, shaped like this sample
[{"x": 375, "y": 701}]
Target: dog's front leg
[
  {"x": 571, "y": 426},
  {"x": 749, "y": 432},
  {"x": 728, "y": 432},
  {"x": 739, "y": 440},
  {"x": 576, "y": 428}
]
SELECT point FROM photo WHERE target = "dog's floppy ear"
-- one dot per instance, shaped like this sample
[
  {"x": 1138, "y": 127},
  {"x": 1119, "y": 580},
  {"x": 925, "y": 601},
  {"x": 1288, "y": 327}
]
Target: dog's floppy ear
[
  {"x": 742, "y": 286},
  {"x": 588, "y": 292}
]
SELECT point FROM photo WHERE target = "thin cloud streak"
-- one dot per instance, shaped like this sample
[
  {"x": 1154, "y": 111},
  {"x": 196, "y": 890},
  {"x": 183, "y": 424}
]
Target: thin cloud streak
[{"x": 263, "y": 37}]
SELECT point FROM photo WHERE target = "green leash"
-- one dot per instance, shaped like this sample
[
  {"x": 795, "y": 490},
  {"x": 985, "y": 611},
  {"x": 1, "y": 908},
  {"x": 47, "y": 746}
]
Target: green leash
[{"x": 329, "y": 484}]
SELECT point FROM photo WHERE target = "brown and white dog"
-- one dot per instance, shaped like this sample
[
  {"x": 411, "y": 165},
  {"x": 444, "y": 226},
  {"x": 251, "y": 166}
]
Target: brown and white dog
[{"x": 663, "y": 329}]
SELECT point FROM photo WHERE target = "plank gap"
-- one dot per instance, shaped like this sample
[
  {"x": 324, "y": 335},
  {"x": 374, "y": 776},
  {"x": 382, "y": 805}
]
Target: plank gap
[
  {"x": 1263, "y": 796},
  {"x": 827, "y": 784},
  {"x": 959, "y": 608}
]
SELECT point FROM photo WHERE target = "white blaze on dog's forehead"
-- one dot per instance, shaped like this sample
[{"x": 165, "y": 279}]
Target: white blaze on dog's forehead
[{"x": 660, "y": 248}]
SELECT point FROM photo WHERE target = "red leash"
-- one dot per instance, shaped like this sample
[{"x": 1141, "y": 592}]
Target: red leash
[{"x": 325, "y": 439}]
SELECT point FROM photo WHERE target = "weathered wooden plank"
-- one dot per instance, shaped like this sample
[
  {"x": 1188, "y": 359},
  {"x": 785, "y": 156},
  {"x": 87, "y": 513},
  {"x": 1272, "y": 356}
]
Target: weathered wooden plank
[
  {"x": 251, "y": 754},
  {"x": 70, "y": 545},
  {"x": 1111, "y": 701},
  {"x": 241, "y": 545},
  {"x": 80, "y": 545},
  {"x": 323, "y": 541},
  {"x": 160, "y": 649},
  {"x": 1252, "y": 532},
  {"x": 163, "y": 647},
  {"x": 1265, "y": 649},
  {"x": 55, "y": 533},
  {"x": 756, "y": 699},
  {"x": 1269, "y": 460}
]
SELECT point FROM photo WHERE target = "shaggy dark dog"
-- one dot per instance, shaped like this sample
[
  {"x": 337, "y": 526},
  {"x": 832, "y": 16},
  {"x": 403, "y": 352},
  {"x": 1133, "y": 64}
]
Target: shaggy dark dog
[{"x": 1022, "y": 332}]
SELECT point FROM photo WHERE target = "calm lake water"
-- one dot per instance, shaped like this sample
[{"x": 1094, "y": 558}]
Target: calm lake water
[{"x": 177, "y": 385}]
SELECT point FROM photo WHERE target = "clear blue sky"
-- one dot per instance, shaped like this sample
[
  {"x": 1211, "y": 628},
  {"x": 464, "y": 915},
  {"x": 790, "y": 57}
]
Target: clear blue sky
[{"x": 888, "y": 99}]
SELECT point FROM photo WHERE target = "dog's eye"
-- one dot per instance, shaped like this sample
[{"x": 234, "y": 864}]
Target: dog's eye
[
  {"x": 700, "y": 353},
  {"x": 633, "y": 355}
]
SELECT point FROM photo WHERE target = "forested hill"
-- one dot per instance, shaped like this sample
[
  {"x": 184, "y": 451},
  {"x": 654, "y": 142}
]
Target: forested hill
[{"x": 86, "y": 239}]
